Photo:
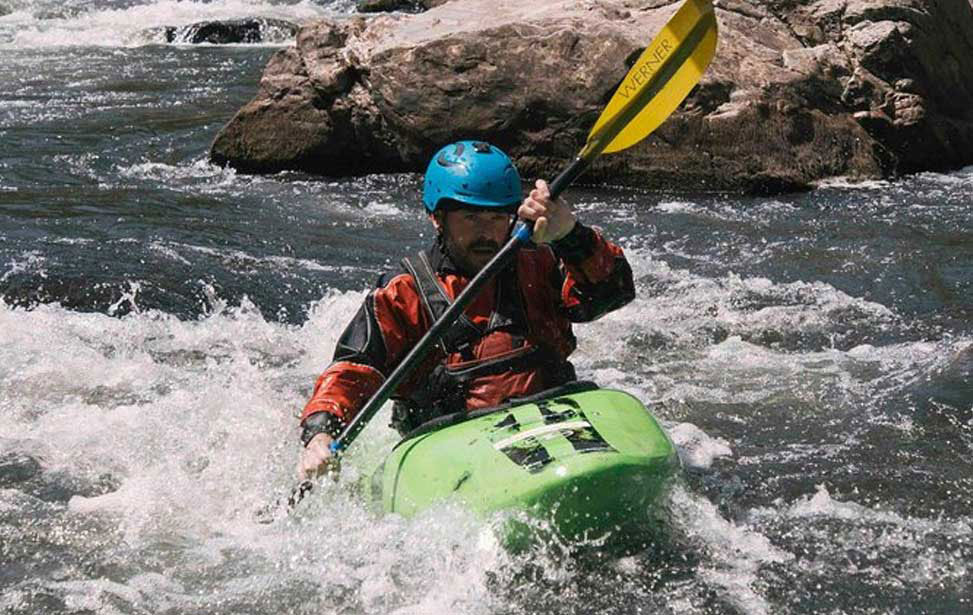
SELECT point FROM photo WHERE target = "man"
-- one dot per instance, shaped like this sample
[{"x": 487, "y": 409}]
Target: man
[{"x": 512, "y": 340}]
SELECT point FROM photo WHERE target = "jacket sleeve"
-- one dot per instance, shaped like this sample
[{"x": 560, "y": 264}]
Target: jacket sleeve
[
  {"x": 389, "y": 322},
  {"x": 596, "y": 278}
]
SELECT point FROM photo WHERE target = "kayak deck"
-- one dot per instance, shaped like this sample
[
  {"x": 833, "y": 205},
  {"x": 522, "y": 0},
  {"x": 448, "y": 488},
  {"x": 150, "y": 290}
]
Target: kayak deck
[{"x": 590, "y": 463}]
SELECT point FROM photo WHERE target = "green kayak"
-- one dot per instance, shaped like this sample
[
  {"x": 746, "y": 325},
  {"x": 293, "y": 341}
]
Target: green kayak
[{"x": 590, "y": 464}]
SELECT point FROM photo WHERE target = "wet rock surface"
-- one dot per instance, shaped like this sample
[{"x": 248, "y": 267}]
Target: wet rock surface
[
  {"x": 799, "y": 91},
  {"x": 387, "y": 6},
  {"x": 234, "y": 31},
  {"x": 25, "y": 473},
  {"x": 16, "y": 468}
]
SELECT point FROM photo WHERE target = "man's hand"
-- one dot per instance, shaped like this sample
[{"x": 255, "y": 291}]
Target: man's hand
[
  {"x": 552, "y": 219},
  {"x": 316, "y": 459}
]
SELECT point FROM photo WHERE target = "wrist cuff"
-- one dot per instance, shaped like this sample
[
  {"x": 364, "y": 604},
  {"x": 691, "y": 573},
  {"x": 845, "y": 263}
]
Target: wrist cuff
[
  {"x": 577, "y": 245},
  {"x": 321, "y": 422}
]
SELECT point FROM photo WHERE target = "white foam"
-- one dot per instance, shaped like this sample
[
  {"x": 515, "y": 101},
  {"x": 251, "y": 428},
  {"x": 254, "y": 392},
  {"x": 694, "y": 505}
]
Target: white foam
[
  {"x": 677, "y": 207},
  {"x": 727, "y": 210},
  {"x": 691, "y": 300},
  {"x": 169, "y": 252},
  {"x": 196, "y": 419},
  {"x": 696, "y": 448},
  {"x": 734, "y": 553},
  {"x": 124, "y": 27},
  {"x": 239, "y": 260},
  {"x": 957, "y": 179},
  {"x": 31, "y": 262},
  {"x": 875, "y": 535},
  {"x": 199, "y": 169},
  {"x": 848, "y": 183},
  {"x": 687, "y": 337},
  {"x": 822, "y": 504}
]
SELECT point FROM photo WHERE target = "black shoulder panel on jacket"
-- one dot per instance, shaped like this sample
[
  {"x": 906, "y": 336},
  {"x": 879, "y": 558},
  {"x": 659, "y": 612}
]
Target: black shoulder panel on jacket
[{"x": 362, "y": 340}]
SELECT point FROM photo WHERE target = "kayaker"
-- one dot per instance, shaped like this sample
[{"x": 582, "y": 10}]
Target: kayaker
[{"x": 513, "y": 340}]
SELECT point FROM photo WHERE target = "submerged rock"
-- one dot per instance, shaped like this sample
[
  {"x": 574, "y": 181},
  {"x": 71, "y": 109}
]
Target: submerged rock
[
  {"x": 16, "y": 467},
  {"x": 226, "y": 32},
  {"x": 945, "y": 395},
  {"x": 799, "y": 90},
  {"x": 387, "y": 6}
]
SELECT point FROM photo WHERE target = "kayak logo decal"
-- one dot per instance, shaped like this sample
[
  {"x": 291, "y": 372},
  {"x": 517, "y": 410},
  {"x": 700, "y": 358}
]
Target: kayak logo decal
[
  {"x": 572, "y": 412},
  {"x": 508, "y": 421},
  {"x": 546, "y": 436},
  {"x": 540, "y": 431},
  {"x": 588, "y": 440},
  {"x": 528, "y": 453},
  {"x": 584, "y": 440}
]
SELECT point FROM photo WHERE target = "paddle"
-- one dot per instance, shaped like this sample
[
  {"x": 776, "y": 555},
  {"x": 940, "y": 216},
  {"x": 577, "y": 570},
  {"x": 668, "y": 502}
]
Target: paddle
[{"x": 658, "y": 82}]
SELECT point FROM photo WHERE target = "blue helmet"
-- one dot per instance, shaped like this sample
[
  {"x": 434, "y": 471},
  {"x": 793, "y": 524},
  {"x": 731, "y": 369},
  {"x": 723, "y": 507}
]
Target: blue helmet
[{"x": 474, "y": 173}]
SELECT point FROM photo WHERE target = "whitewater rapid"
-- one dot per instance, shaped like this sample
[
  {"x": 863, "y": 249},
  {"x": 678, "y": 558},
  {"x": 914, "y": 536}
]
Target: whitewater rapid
[
  {"x": 32, "y": 24},
  {"x": 162, "y": 322}
]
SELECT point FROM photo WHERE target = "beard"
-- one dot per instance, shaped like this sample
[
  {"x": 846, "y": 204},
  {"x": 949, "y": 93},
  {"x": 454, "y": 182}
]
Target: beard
[{"x": 469, "y": 259}]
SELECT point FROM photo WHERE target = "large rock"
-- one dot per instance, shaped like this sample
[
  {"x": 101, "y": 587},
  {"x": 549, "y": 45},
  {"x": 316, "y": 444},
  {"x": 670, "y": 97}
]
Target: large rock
[{"x": 798, "y": 91}]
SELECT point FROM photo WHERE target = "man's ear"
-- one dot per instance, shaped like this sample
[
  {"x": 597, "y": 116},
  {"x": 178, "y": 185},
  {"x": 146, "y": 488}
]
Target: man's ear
[{"x": 437, "y": 219}]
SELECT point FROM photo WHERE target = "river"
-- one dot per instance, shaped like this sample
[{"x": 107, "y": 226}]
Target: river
[{"x": 162, "y": 322}]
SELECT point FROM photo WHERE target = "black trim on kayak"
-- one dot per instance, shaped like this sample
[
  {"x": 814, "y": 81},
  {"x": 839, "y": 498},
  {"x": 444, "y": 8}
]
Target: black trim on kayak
[{"x": 568, "y": 388}]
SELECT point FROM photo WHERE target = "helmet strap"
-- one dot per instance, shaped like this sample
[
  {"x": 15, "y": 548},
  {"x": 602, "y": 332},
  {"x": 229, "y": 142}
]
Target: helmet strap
[{"x": 443, "y": 245}]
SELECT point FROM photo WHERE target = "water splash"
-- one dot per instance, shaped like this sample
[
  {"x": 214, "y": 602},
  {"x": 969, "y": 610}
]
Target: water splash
[{"x": 37, "y": 24}]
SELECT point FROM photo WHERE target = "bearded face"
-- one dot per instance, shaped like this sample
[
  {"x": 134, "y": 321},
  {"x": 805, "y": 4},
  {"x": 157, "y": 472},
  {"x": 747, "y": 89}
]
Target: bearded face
[{"x": 472, "y": 236}]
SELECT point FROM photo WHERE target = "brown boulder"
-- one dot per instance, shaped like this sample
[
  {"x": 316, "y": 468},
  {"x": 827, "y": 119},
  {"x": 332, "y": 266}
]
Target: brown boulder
[{"x": 799, "y": 91}]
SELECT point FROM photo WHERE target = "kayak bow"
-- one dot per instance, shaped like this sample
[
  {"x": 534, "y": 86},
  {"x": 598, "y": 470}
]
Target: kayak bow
[{"x": 589, "y": 463}]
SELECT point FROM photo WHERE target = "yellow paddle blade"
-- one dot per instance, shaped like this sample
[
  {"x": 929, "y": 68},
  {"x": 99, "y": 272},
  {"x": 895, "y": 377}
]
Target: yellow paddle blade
[{"x": 659, "y": 81}]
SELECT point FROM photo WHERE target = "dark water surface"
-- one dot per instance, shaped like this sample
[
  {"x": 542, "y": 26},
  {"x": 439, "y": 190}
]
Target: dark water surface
[{"x": 162, "y": 321}]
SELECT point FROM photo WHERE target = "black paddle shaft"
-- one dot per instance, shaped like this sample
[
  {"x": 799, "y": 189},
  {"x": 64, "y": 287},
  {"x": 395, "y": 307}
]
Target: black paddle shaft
[{"x": 520, "y": 236}]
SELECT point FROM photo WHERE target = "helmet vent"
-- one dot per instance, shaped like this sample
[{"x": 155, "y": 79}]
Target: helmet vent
[{"x": 474, "y": 173}]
